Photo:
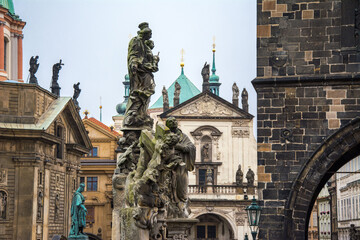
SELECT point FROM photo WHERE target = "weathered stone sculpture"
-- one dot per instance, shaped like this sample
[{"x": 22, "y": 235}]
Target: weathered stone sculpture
[
  {"x": 235, "y": 97},
  {"x": 34, "y": 65},
  {"x": 239, "y": 176},
  {"x": 205, "y": 73},
  {"x": 165, "y": 99},
  {"x": 244, "y": 100},
  {"x": 250, "y": 176},
  {"x": 205, "y": 152},
  {"x": 78, "y": 215},
  {"x": 3, "y": 204},
  {"x": 158, "y": 186},
  {"x": 141, "y": 65},
  {"x": 77, "y": 91},
  {"x": 177, "y": 94},
  {"x": 55, "y": 88}
]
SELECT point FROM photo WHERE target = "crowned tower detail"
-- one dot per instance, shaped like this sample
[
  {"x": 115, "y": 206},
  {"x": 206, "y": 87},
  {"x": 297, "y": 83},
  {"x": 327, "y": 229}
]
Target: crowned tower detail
[
  {"x": 214, "y": 79},
  {"x": 11, "y": 36}
]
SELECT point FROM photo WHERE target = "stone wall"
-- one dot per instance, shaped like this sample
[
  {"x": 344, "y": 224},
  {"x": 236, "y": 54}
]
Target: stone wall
[{"x": 308, "y": 89}]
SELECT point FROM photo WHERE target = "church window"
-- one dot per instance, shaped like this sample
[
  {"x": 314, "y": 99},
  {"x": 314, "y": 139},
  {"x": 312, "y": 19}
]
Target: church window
[
  {"x": 59, "y": 146},
  {"x": 92, "y": 183},
  {"x": 93, "y": 152},
  {"x": 6, "y": 44},
  {"x": 206, "y": 231},
  {"x": 90, "y": 215}
]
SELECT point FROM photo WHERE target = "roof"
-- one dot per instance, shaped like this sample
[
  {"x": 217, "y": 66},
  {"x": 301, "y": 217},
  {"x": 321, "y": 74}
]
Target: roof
[
  {"x": 45, "y": 120},
  {"x": 188, "y": 90},
  {"x": 220, "y": 99},
  {"x": 8, "y": 4},
  {"x": 103, "y": 126}
]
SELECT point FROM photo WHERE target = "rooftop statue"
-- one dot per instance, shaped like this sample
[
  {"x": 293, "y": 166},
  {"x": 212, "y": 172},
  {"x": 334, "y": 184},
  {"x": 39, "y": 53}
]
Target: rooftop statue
[
  {"x": 78, "y": 214},
  {"x": 205, "y": 73},
  {"x": 77, "y": 91},
  {"x": 239, "y": 176},
  {"x": 141, "y": 65},
  {"x": 34, "y": 65},
  {"x": 165, "y": 99},
  {"x": 235, "y": 91},
  {"x": 55, "y": 88},
  {"x": 250, "y": 176}
]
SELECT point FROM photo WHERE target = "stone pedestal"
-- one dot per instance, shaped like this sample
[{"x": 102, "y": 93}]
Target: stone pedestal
[
  {"x": 239, "y": 190},
  {"x": 250, "y": 190},
  {"x": 129, "y": 230},
  {"x": 78, "y": 237},
  {"x": 178, "y": 228}
]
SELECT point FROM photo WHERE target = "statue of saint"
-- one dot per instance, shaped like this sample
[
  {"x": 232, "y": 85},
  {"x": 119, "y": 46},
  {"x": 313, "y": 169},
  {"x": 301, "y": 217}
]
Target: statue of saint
[
  {"x": 55, "y": 88},
  {"x": 205, "y": 151},
  {"x": 165, "y": 99},
  {"x": 78, "y": 213},
  {"x": 239, "y": 176},
  {"x": 77, "y": 91},
  {"x": 235, "y": 91},
  {"x": 205, "y": 73},
  {"x": 3, "y": 203},
  {"x": 177, "y": 94},
  {"x": 186, "y": 150},
  {"x": 250, "y": 176},
  {"x": 40, "y": 205},
  {"x": 141, "y": 65},
  {"x": 34, "y": 65}
]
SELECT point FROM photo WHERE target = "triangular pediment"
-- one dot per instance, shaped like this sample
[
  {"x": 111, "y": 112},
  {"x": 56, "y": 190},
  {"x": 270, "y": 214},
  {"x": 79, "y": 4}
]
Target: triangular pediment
[
  {"x": 207, "y": 105},
  {"x": 97, "y": 132}
]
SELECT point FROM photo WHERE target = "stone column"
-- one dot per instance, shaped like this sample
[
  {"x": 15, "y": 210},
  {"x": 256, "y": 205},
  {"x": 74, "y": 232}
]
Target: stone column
[
  {"x": 20, "y": 57},
  {"x": 26, "y": 179},
  {"x": 46, "y": 204},
  {"x": 2, "y": 46},
  {"x": 14, "y": 60}
]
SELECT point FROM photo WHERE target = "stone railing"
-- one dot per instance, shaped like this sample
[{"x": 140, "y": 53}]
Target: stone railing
[{"x": 216, "y": 189}]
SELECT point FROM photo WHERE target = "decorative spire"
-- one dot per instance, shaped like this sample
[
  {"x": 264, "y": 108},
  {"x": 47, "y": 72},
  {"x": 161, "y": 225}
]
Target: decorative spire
[
  {"x": 100, "y": 111},
  {"x": 213, "y": 69},
  {"x": 182, "y": 61}
]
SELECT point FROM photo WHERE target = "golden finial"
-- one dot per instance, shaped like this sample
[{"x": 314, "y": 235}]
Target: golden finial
[
  {"x": 86, "y": 112},
  {"x": 213, "y": 44},
  {"x": 182, "y": 57}
]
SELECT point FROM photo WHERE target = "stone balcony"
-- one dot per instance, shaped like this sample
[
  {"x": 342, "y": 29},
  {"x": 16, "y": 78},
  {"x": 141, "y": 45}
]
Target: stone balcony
[{"x": 229, "y": 192}]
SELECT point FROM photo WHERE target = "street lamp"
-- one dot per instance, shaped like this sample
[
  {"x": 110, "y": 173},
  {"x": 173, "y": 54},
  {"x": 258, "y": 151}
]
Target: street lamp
[{"x": 253, "y": 212}]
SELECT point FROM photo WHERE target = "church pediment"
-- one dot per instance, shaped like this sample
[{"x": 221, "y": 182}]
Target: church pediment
[{"x": 207, "y": 105}]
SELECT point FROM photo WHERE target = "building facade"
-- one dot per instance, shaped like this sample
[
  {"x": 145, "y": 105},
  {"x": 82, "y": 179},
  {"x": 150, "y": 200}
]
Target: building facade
[
  {"x": 42, "y": 139},
  {"x": 323, "y": 203},
  {"x": 348, "y": 198},
  {"x": 97, "y": 168}
]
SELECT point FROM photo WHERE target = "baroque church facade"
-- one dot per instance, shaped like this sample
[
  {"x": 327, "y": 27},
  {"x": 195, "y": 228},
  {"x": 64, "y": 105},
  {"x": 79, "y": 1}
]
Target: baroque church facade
[
  {"x": 42, "y": 138},
  {"x": 225, "y": 176}
]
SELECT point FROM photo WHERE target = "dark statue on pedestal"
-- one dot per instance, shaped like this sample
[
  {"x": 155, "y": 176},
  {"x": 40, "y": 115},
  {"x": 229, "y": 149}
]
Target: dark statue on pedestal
[
  {"x": 205, "y": 73},
  {"x": 250, "y": 176},
  {"x": 244, "y": 100},
  {"x": 77, "y": 91},
  {"x": 78, "y": 215},
  {"x": 205, "y": 152},
  {"x": 55, "y": 88},
  {"x": 34, "y": 65},
  {"x": 177, "y": 94},
  {"x": 141, "y": 65},
  {"x": 239, "y": 176},
  {"x": 165, "y": 99},
  {"x": 235, "y": 97}
]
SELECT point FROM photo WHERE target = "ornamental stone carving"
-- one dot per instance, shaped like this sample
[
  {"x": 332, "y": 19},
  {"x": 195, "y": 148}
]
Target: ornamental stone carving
[
  {"x": 206, "y": 106},
  {"x": 3, "y": 176},
  {"x": 240, "y": 132}
]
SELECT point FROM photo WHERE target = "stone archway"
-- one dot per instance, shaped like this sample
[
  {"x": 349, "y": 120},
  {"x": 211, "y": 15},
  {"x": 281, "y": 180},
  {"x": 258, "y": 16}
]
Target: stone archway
[
  {"x": 226, "y": 231},
  {"x": 336, "y": 150}
]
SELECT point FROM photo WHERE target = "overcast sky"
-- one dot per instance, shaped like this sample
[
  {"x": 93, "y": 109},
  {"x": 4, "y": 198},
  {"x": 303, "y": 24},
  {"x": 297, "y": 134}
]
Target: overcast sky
[{"x": 92, "y": 36}]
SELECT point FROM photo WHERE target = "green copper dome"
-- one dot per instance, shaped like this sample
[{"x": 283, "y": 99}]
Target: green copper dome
[
  {"x": 8, "y": 4},
  {"x": 188, "y": 90}
]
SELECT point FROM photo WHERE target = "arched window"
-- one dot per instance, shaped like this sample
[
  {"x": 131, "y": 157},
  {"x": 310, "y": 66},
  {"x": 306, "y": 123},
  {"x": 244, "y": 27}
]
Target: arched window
[{"x": 6, "y": 53}]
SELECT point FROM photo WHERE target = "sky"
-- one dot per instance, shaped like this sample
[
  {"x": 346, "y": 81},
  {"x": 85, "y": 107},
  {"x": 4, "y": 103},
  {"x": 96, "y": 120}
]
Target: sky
[{"x": 91, "y": 37}]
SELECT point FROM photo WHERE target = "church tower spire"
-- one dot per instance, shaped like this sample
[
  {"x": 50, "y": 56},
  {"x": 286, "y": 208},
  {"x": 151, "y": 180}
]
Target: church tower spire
[{"x": 214, "y": 79}]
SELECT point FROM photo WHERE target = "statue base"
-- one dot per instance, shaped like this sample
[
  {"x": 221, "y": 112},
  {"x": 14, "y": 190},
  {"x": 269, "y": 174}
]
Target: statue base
[
  {"x": 250, "y": 190},
  {"x": 178, "y": 228},
  {"x": 78, "y": 237},
  {"x": 129, "y": 230}
]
